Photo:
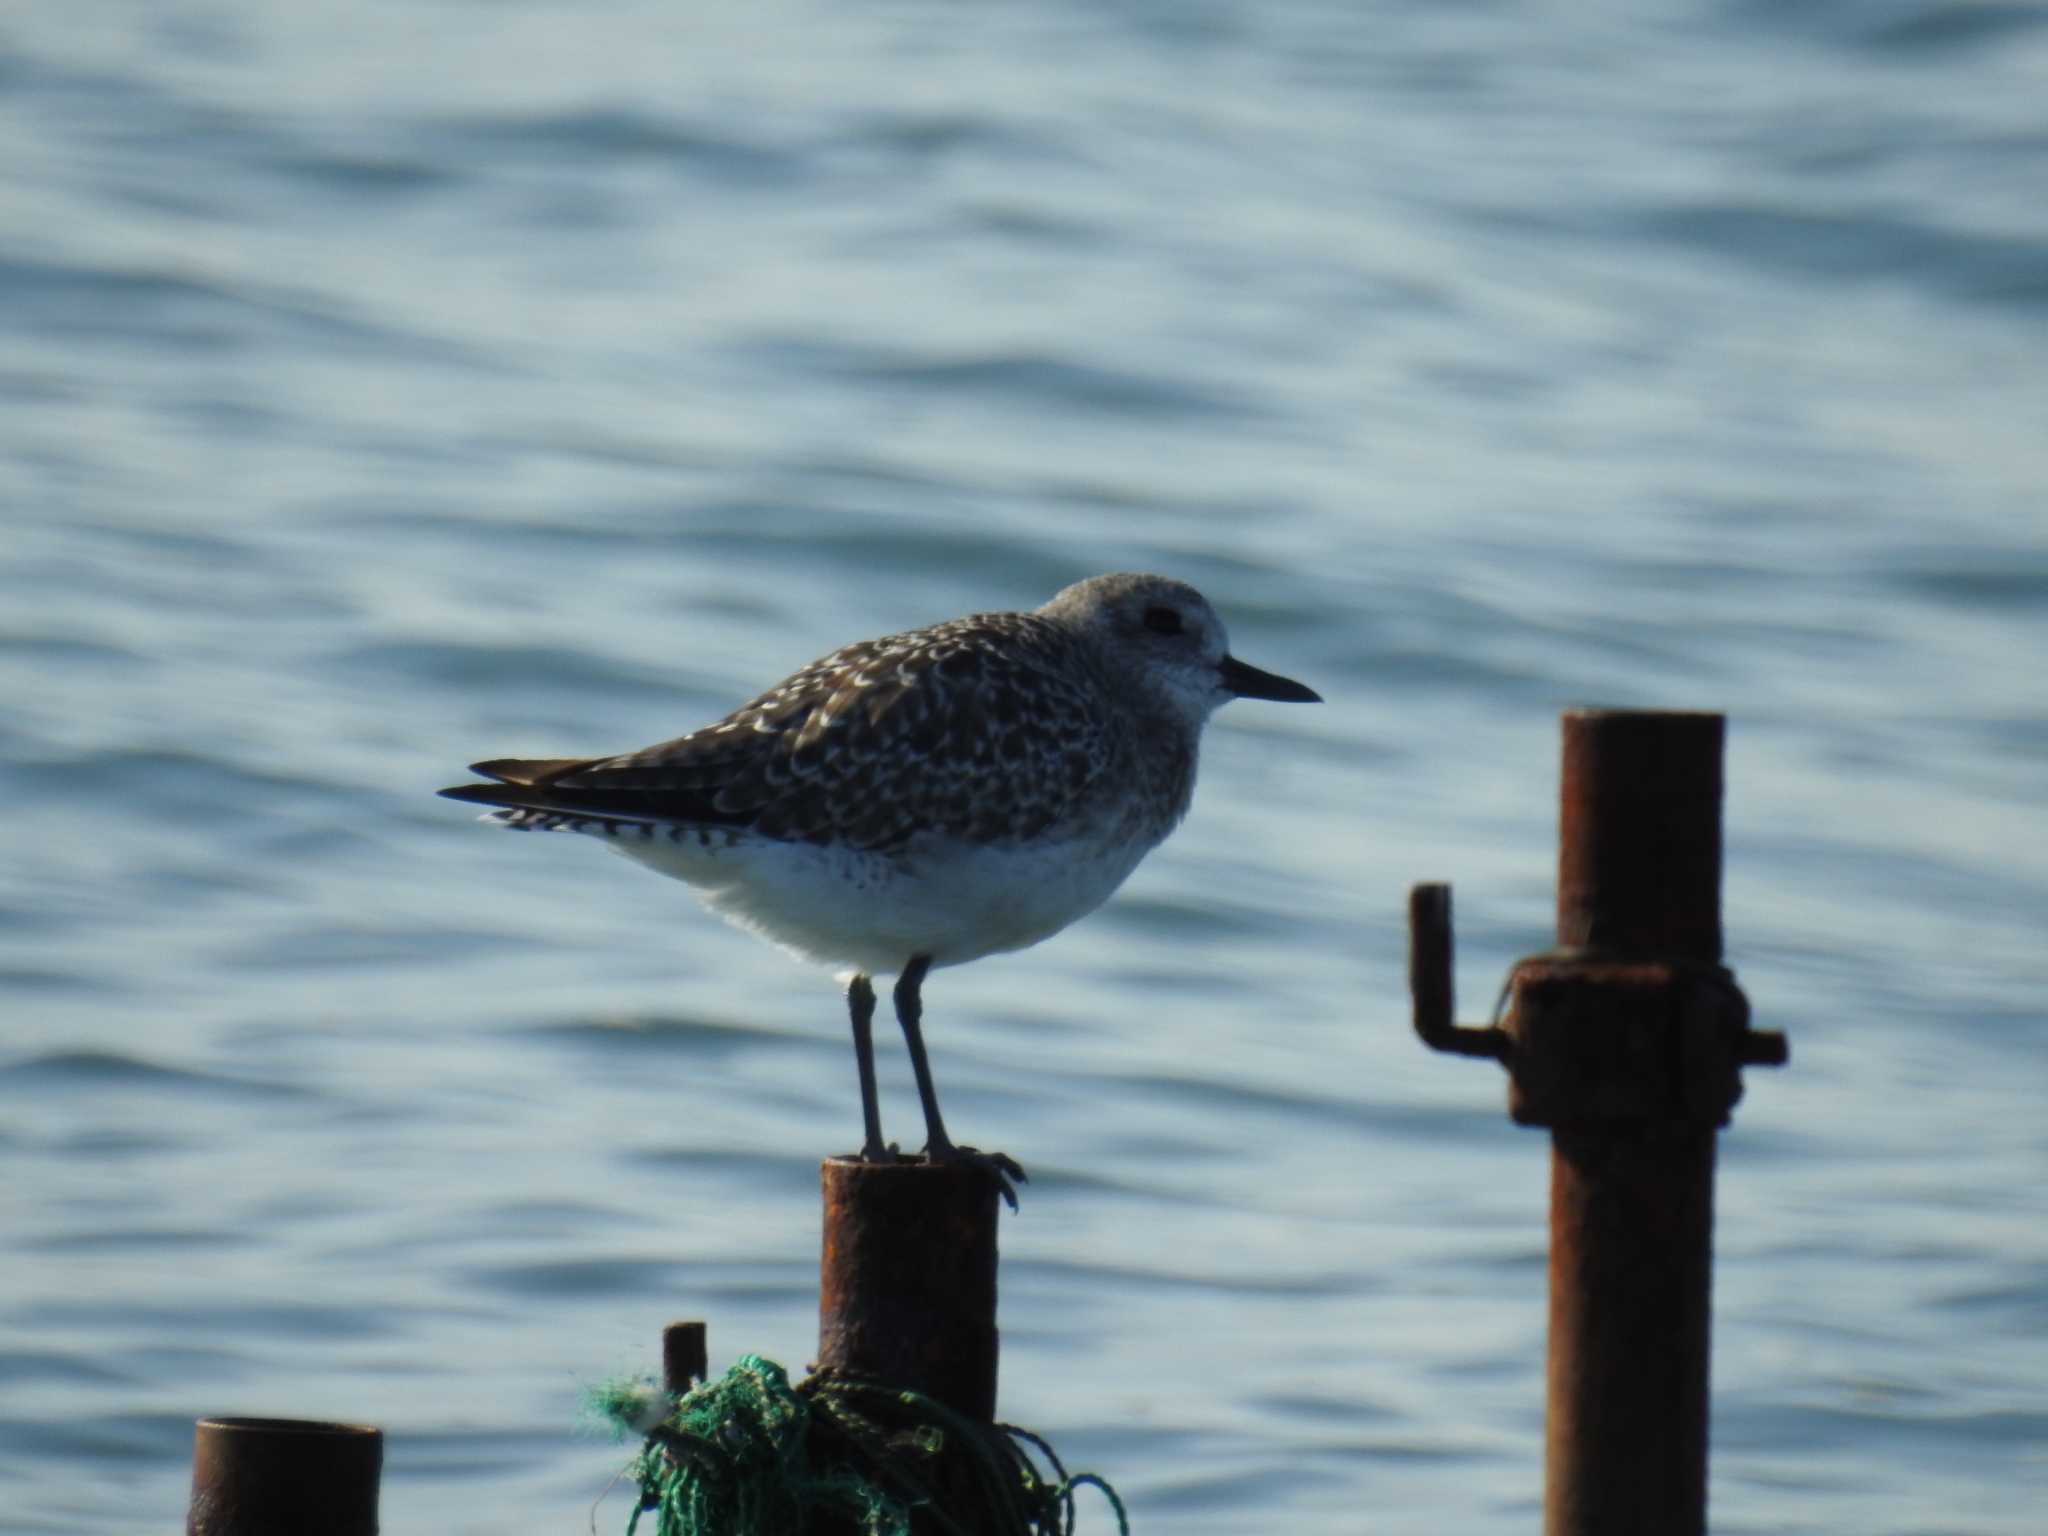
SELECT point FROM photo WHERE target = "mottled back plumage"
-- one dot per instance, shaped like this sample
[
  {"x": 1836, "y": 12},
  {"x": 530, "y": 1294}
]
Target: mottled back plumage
[{"x": 973, "y": 729}]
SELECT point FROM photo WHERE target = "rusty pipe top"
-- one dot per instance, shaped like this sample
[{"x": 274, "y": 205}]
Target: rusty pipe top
[{"x": 1639, "y": 840}]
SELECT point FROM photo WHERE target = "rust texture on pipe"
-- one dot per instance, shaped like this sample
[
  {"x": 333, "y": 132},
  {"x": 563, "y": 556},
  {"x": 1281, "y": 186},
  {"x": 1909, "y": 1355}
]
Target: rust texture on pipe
[
  {"x": 284, "y": 1477},
  {"x": 1631, "y": 1257},
  {"x": 1626, "y": 1042},
  {"x": 1632, "y": 1208},
  {"x": 684, "y": 1361},
  {"x": 1639, "y": 842},
  {"x": 907, "y": 1285}
]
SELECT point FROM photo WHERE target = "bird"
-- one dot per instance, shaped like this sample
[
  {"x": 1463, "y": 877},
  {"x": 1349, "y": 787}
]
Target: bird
[{"x": 924, "y": 799}]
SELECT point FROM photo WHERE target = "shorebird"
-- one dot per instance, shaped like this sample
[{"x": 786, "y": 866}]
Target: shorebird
[{"x": 924, "y": 799}]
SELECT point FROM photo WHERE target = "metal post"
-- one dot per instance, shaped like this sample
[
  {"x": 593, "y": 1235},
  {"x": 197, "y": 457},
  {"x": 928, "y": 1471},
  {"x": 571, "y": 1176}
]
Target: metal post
[
  {"x": 1632, "y": 1200},
  {"x": 1626, "y": 1040},
  {"x": 907, "y": 1286},
  {"x": 684, "y": 1357},
  {"x": 284, "y": 1477}
]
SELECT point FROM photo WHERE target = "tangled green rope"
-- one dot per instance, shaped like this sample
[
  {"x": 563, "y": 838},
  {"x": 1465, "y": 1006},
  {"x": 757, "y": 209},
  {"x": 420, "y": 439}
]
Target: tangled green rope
[{"x": 750, "y": 1455}]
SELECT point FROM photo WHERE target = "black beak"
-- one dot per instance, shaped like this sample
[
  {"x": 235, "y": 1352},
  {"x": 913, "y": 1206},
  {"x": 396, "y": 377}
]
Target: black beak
[{"x": 1250, "y": 683}]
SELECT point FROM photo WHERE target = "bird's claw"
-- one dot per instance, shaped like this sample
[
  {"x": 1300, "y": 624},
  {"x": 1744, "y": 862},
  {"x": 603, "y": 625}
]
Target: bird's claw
[{"x": 1007, "y": 1172}]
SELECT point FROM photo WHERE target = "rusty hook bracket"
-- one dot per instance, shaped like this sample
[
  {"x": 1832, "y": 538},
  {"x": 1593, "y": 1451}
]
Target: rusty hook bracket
[
  {"x": 1593, "y": 1038},
  {"x": 1429, "y": 980}
]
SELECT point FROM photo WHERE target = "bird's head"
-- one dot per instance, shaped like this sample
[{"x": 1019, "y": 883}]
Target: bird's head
[{"x": 1168, "y": 630}]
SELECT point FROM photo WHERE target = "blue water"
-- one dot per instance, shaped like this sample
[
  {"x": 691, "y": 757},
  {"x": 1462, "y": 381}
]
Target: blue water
[{"x": 389, "y": 385}]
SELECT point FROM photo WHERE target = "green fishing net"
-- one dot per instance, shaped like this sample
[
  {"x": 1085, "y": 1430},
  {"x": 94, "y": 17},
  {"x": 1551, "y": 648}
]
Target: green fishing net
[{"x": 751, "y": 1455}]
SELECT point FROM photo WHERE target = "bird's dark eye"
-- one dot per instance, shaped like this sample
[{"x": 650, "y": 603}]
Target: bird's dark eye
[{"x": 1162, "y": 621}]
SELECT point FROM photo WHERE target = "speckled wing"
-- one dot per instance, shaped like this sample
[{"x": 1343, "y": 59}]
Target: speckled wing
[{"x": 979, "y": 728}]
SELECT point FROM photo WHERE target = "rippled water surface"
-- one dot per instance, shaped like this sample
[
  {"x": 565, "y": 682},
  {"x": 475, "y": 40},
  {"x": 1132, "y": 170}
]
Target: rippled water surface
[{"x": 391, "y": 385}]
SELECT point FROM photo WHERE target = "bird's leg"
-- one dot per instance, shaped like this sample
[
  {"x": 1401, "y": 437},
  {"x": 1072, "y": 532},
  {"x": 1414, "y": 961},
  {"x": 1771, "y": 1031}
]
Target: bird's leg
[
  {"x": 910, "y": 1013},
  {"x": 938, "y": 1146},
  {"x": 860, "y": 1002}
]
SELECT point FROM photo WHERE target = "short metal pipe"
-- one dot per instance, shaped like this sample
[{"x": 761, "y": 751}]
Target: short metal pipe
[
  {"x": 284, "y": 1477},
  {"x": 684, "y": 1358},
  {"x": 907, "y": 1284}
]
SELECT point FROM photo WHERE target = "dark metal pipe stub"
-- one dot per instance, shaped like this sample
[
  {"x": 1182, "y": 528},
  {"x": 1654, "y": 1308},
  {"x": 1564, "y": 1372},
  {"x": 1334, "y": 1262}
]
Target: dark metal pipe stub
[
  {"x": 284, "y": 1477},
  {"x": 684, "y": 1361},
  {"x": 907, "y": 1283}
]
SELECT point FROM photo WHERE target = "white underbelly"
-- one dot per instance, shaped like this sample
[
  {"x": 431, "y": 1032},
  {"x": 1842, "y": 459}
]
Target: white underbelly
[{"x": 873, "y": 912}]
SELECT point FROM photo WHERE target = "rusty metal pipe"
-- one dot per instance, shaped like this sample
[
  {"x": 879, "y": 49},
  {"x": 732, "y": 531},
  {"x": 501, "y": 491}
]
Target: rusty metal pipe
[
  {"x": 907, "y": 1284},
  {"x": 1628, "y": 1041},
  {"x": 1631, "y": 1256},
  {"x": 284, "y": 1477},
  {"x": 1632, "y": 1199}
]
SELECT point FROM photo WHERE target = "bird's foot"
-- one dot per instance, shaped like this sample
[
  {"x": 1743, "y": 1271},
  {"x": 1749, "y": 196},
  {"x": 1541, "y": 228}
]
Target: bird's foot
[
  {"x": 875, "y": 1152},
  {"x": 1000, "y": 1166}
]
